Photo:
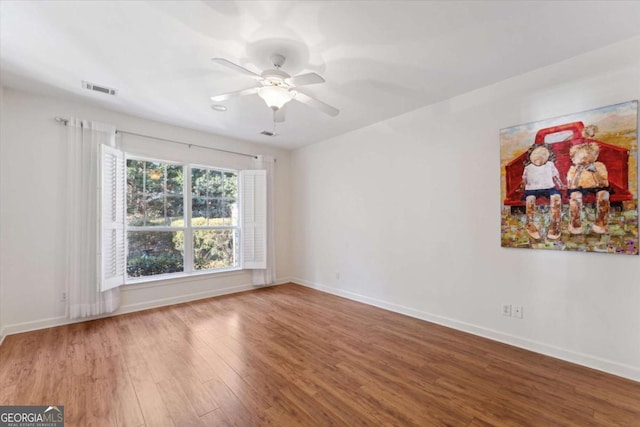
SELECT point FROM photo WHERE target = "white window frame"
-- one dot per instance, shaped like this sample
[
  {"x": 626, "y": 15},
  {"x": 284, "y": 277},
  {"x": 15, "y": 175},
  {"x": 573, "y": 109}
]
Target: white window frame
[{"x": 188, "y": 255}]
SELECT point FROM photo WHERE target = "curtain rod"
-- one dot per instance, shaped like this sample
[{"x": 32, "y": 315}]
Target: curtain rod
[{"x": 66, "y": 121}]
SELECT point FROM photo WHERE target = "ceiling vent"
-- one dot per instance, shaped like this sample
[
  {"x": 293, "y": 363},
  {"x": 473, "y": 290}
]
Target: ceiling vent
[
  {"x": 267, "y": 133},
  {"x": 96, "y": 88}
]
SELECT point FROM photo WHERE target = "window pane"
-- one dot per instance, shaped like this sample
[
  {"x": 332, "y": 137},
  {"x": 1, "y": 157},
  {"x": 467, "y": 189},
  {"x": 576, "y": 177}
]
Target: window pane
[
  {"x": 215, "y": 213},
  {"x": 206, "y": 182},
  {"x": 155, "y": 177},
  {"x": 234, "y": 214},
  {"x": 230, "y": 185},
  {"x": 229, "y": 213},
  {"x": 215, "y": 197},
  {"x": 154, "y": 193},
  {"x": 199, "y": 211},
  {"x": 154, "y": 211},
  {"x": 135, "y": 209},
  {"x": 199, "y": 181},
  {"x": 230, "y": 207},
  {"x": 174, "y": 179},
  {"x": 175, "y": 208},
  {"x": 216, "y": 184},
  {"x": 154, "y": 252},
  {"x": 135, "y": 176},
  {"x": 207, "y": 212},
  {"x": 215, "y": 249}
]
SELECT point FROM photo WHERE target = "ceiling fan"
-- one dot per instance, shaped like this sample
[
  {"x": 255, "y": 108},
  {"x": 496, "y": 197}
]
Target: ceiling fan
[{"x": 277, "y": 88}]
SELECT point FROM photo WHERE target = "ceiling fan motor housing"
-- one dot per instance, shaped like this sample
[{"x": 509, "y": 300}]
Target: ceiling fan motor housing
[{"x": 275, "y": 78}]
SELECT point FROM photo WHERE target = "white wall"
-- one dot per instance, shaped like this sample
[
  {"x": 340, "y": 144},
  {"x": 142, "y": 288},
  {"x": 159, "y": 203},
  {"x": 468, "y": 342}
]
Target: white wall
[
  {"x": 32, "y": 224},
  {"x": 407, "y": 211}
]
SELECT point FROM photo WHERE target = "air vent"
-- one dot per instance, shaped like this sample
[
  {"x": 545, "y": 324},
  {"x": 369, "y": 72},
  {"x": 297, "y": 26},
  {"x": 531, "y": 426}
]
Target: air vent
[
  {"x": 267, "y": 133},
  {"x": 102, "y": 89}
]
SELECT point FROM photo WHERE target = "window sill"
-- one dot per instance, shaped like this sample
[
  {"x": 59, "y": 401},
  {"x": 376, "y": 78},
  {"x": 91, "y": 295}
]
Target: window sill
[{"x": 169, "y": 279}]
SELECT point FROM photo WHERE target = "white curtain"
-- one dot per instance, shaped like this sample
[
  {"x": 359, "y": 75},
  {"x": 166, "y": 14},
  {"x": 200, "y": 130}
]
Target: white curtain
[
  {"x": 82, "y": 270},
  {"x": 268, "y": 275}
]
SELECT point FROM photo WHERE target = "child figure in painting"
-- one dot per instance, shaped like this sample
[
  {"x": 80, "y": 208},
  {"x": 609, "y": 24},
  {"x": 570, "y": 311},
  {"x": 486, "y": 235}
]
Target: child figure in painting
[
  {"x": 540, "y": 179},
  {"x": 585, "y": 176}
]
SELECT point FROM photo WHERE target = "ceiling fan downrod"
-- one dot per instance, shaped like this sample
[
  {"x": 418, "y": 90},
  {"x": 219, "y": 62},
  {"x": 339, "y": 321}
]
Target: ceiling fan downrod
[{"x": 277, "y": 60}]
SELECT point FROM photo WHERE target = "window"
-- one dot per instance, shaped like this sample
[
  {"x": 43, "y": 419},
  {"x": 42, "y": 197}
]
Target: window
[
  {"x": 162, "y": 236},
  {"x": 214, "y": 218},
  {"x": 172, "y": 218},
  {"x": 155, "y": 218}
]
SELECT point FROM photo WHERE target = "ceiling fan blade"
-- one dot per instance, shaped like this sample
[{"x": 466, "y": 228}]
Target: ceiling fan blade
[
  {"x": 225, "y": 96},
  {"x": 236, "y": 67},
  {"x": 278, "y": 115},
  {"x": 305, "y": 79},
  {"x": 312, "y": 102}
]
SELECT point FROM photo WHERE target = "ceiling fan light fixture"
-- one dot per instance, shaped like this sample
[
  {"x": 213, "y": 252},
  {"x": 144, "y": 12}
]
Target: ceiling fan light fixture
[{"x": 275, "y": 96}]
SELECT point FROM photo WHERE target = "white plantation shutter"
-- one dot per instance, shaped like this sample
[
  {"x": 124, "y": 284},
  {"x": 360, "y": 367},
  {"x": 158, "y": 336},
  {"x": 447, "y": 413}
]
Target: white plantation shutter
[
  {"x": 112, "y": 242},
  {"x": 253, "y": 202}
]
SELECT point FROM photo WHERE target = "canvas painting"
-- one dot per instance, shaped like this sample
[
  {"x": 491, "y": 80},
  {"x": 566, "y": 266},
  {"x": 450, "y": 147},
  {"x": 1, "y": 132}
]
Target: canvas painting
[{"x": 571, "y": 183}]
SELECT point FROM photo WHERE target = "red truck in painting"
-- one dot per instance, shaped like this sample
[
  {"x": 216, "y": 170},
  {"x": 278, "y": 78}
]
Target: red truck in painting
[{"x": 616, "y": 159}]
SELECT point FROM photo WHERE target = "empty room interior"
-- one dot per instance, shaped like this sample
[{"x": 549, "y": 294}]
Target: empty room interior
[{"x": 309, "y": 213}]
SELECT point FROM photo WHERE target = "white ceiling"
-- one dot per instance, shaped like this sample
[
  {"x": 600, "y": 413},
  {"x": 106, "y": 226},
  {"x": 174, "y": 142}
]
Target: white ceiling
[{"x": 379, "y": 58}]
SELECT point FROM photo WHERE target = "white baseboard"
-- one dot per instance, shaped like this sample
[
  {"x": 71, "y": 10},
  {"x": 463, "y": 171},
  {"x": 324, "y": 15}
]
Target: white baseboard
[
  {"x": 162, "y": 302},
  {"x": 34, "y": 325},
  {"x": 611, "y": 367},
  {"x": 17, "y": 328}
]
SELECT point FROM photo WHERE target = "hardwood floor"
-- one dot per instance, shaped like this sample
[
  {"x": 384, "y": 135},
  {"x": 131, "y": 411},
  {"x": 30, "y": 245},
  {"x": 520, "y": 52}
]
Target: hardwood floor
[{"x": 292, "y": 356}]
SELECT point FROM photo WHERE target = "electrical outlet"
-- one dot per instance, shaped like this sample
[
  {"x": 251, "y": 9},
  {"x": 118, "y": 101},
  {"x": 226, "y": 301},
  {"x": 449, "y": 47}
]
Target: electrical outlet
[
  {"x": 337, "y": 276},
  {"x": 63, "y": 297},
  {"x": 506, "y": 309},
  {"x": 517, "y": 311}
]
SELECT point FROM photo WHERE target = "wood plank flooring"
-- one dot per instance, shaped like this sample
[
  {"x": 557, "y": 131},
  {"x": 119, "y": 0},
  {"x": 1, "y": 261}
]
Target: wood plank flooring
[{"x": 292, "y": 356}]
